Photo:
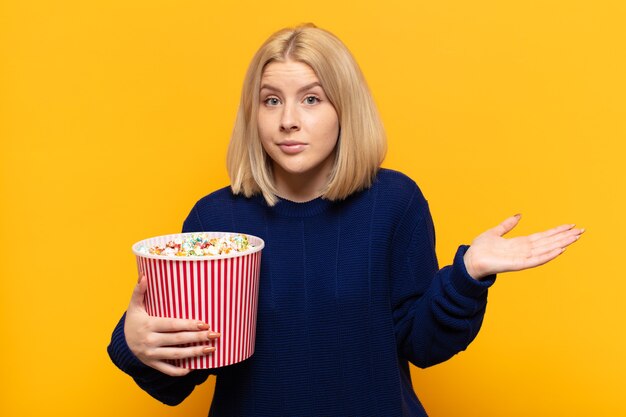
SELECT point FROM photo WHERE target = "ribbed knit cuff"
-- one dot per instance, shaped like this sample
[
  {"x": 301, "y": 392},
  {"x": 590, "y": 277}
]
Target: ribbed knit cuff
[
  {"x": 462, "y": 280},
  {"x": 125, "y": 359}
]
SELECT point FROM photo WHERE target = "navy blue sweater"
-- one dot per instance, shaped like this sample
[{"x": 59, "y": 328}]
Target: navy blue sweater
[{"x": 350, "y": 293}]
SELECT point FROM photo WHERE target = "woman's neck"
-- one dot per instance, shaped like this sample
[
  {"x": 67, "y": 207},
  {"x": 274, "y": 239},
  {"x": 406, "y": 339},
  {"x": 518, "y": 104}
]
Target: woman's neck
[{"x": 298, "y": 188}]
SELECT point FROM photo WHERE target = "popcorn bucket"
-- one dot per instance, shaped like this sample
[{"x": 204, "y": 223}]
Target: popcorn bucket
[{"x": 221, "y": 290}]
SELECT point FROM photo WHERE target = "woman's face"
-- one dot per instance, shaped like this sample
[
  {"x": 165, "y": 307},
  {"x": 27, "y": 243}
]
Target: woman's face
[{"x": 297, "y": 123}]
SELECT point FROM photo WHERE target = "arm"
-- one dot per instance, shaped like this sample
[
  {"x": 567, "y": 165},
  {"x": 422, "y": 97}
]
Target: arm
[
  {"x": 168, "y": 389},
  {"x": 437, "y": 313}
]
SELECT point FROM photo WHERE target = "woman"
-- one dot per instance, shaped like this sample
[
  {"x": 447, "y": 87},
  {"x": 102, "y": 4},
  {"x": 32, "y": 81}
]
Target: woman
[{"x": 350, "y": 289}]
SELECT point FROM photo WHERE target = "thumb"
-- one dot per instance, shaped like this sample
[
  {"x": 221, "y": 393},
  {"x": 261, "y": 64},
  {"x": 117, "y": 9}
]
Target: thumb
[
  {"x": 507, "y": 225},
  {"x": 137, "y": 299}
]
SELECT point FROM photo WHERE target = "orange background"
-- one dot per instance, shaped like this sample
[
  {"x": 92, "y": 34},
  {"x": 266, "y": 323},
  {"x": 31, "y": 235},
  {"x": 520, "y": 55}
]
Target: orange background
[{"x": 115, "y": 117}]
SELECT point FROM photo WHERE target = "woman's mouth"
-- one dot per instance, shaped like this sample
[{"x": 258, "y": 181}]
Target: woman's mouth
[{"x": 291, "y": 148}]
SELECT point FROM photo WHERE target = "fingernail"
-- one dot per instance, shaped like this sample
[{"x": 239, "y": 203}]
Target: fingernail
[
  {"x": 213, "y": 335},
  {"x": 207, "y": 350},
  {"x": 518, "y": 215},
  {"x": 202, "y": 326}
]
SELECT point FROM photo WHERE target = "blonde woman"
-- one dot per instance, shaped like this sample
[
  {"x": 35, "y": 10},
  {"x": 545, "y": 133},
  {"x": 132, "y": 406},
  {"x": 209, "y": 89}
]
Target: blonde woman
[{"x": 350, "y": 289}]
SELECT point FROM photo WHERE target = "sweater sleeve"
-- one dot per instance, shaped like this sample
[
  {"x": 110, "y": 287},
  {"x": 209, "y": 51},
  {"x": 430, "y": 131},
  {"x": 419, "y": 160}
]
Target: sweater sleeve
[
  {"x": 437, "y": 313},
  {"x": 167, "y": 389}
]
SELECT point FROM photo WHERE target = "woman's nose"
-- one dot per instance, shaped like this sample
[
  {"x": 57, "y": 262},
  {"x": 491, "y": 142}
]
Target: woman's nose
[{"x": 289, "y": 120}]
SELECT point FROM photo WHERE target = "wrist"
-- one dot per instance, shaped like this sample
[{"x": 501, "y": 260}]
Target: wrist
[
  {"x": 470, "y": 265},
  {"x": 464, "y": 283}
]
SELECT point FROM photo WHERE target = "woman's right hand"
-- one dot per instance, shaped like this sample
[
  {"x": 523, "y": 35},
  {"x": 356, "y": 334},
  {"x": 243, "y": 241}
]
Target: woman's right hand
[{"x": 153, "y": 339}]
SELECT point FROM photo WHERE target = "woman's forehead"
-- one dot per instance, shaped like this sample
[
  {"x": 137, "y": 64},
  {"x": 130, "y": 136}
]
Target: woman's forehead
[{"x": 288, "y": 71}]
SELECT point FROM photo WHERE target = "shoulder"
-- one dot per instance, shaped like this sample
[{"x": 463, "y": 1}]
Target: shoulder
[
  {"x": 219, "y": 210},
  {"x": 224, "y": 201},
  {"x": 206, "y": 210},
  {"x": 216, "y": 198},
  {"x": 396, "y": 202},
  {"x": 402, "y": 202},
  {"x": 397, "y": 188}
]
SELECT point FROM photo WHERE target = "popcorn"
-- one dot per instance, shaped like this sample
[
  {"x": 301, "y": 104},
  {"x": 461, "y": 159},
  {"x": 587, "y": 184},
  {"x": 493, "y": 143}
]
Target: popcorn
[{"x": 201, "y": 244}]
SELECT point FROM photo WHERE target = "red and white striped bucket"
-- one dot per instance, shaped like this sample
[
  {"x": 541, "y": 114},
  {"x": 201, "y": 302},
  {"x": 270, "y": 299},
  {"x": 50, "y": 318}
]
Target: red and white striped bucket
[{"x": 220, "y": 290}]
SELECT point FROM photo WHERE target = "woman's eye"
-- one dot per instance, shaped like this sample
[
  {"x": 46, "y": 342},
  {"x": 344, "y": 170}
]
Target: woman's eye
[
  {"x": 272, "y": 101},
  {"x": 311, "y": 100}
]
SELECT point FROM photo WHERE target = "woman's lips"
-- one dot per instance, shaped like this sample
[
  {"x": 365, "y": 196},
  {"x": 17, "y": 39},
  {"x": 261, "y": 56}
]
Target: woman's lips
[{"x": 291, "y": 148}]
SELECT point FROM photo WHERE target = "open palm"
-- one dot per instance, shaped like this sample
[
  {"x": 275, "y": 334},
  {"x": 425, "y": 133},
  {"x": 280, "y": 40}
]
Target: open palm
[{"x": 491, "y": 253}]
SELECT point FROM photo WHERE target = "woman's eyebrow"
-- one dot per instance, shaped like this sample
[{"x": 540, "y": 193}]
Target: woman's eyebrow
[{"x": 301, "y": 89}]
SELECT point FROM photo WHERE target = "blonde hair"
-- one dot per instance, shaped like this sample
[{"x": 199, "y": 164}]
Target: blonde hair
[{"x": 361, "y": 146}]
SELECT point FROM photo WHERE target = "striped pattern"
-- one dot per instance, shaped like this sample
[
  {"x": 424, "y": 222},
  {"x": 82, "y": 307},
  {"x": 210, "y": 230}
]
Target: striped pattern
[{"x": 220, "y": 291}]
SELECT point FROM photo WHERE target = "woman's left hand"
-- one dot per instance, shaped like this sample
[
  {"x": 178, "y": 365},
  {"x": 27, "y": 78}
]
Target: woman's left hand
[{"x": 490, "y": 253}]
